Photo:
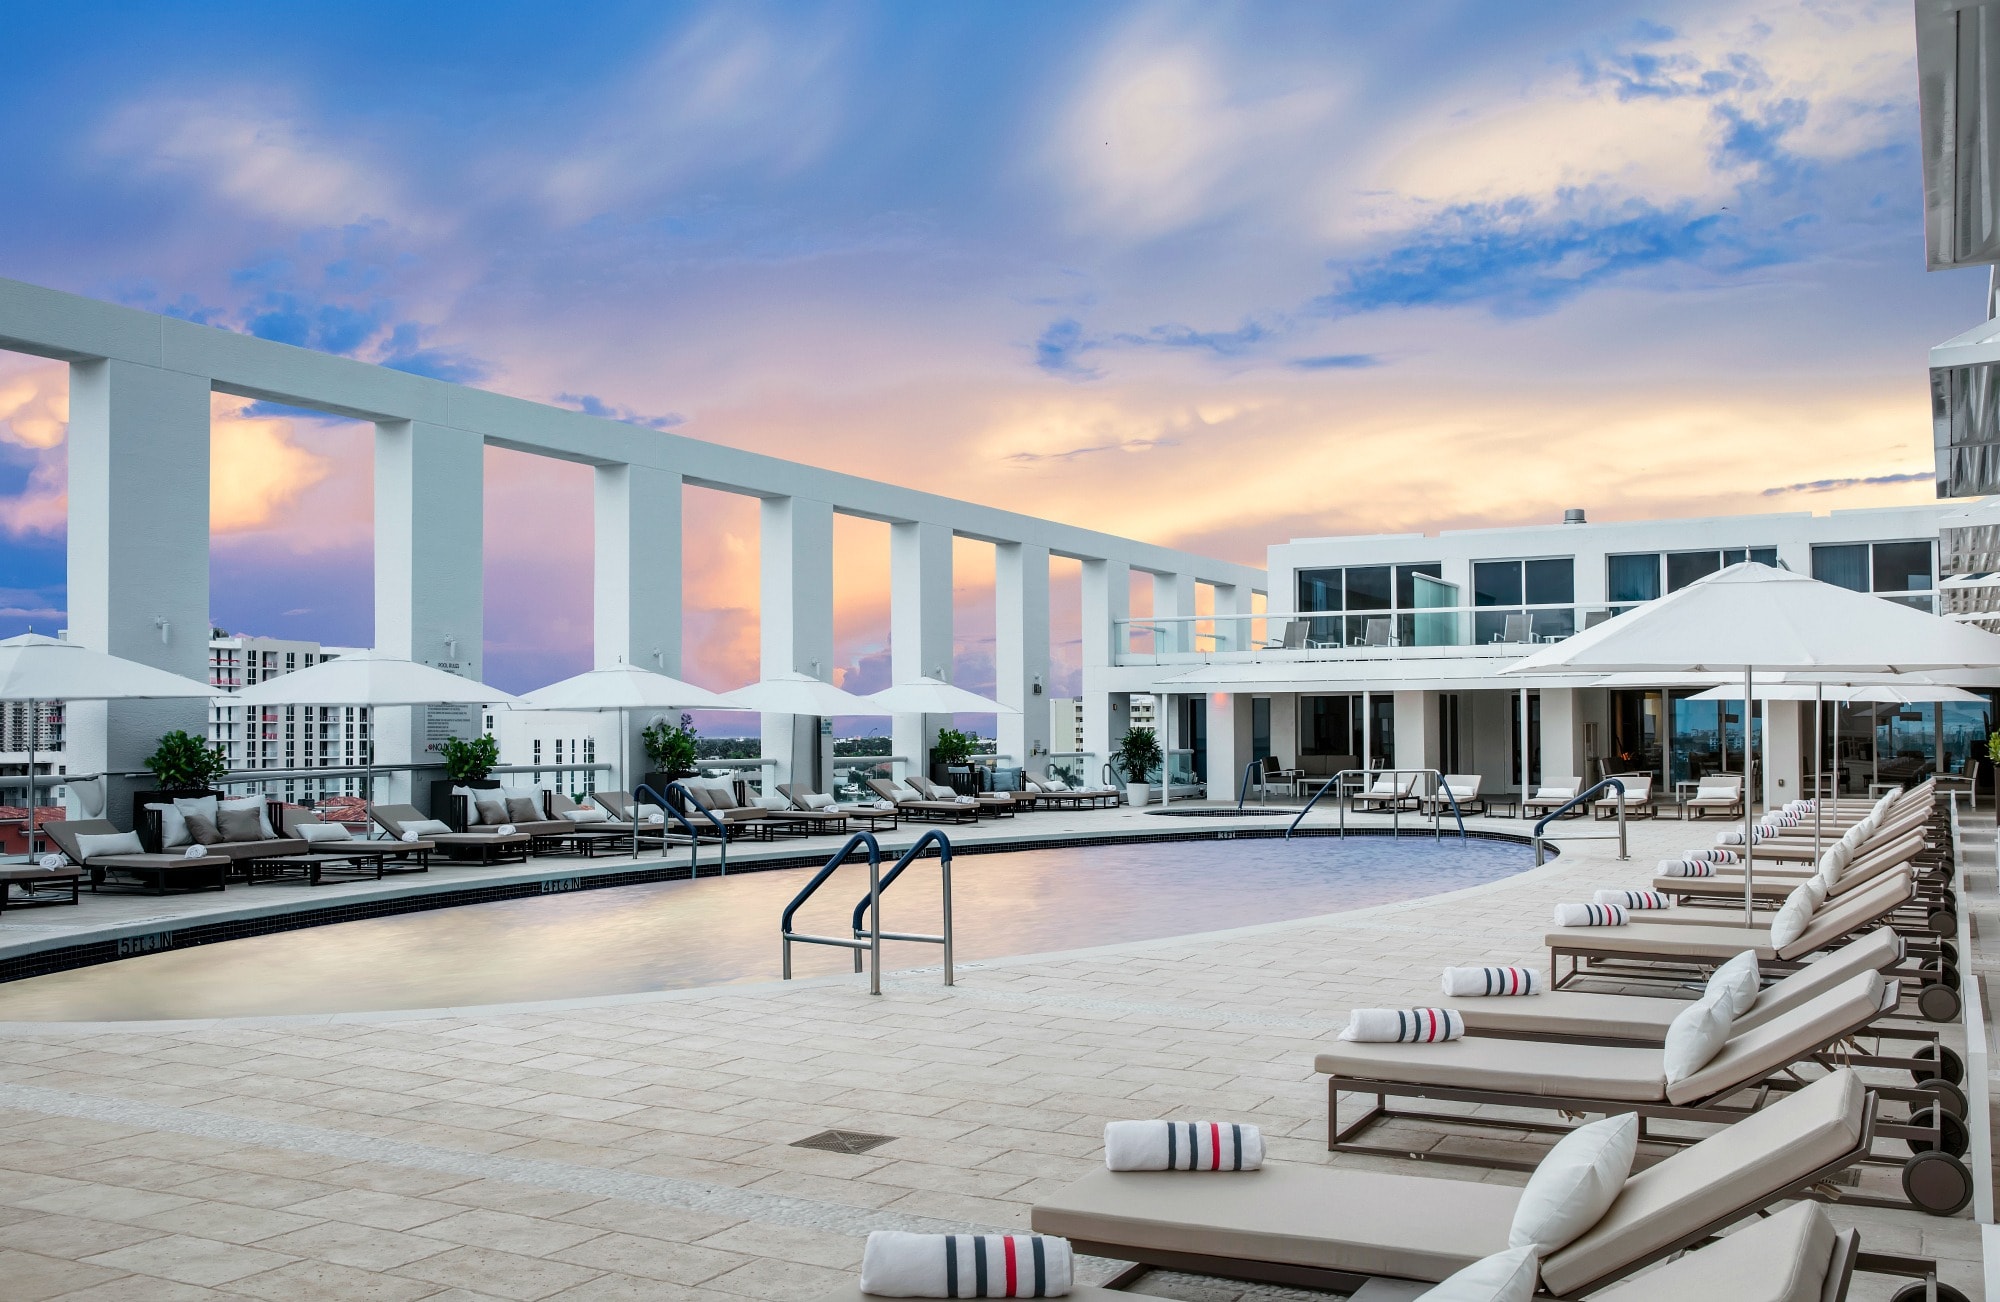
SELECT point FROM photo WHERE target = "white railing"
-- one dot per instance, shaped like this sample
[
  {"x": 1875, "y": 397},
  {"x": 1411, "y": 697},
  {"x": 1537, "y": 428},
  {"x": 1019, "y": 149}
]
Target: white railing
[{"x": 1340, "y": 635}]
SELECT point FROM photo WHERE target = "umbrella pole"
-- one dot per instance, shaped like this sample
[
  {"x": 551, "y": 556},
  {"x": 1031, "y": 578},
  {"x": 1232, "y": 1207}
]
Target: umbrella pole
[
  {"x": 1749, "y": 847},
  {"x": 29, "y": 844},
  {"x": 1819, "y": 754}
]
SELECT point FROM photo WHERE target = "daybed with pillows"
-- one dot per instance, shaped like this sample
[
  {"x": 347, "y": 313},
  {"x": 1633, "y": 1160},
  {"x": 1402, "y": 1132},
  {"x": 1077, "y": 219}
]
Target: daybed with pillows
[{"x": 120, "y": 859}]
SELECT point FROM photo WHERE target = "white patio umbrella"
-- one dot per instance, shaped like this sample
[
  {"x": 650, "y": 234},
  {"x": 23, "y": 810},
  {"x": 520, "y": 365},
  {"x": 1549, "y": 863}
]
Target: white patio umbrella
[
  {"x": 929, "y": 696},
  {"x": 623, "y": 688},
  {"x": 800, "y": 694},
  {"x": 373, "y": 679},
  {"x": 35, "y": 668},
  {"x": 1752, "y": 617}
]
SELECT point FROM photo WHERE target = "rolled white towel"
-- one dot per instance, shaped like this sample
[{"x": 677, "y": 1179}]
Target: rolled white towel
[
  {"x": 1632, "y": 900},
  {"x": 1182, "y": 1146},
  {"x": 964, "y": 800},
  {"x": 896, "y": 1264},
  {"x": 409, "y": 837},
  {"x": 505, "y": 829},
  {"x": 51, "y": 862},
  {"x": 886, "y": 806},
  {"x": 1477, "y": 982},
  {"x": 1717, "y": 854},
  {"x": 195, "y": 852},
  {"x": 1589, "y": 915},
  {"x": 1734, "y": 836},
  {"x": 1686, "y": 868},
  {"x": 1403, "y": 1025}
]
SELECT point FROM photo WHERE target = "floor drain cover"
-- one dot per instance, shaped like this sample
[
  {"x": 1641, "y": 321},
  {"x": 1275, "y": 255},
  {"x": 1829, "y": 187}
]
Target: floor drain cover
[{"x": 842, "y": 1141}]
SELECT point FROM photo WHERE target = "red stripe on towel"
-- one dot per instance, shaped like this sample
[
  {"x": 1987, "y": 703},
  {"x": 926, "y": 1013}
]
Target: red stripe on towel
[
  {"x": 1009, "y": 1241},
  {"x": 1215, "y": 1145}
]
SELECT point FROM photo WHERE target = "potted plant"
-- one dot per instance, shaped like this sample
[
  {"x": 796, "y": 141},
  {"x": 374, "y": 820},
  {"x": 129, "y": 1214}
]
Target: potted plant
[
  {"x": 952, "y": 750},
  {"x": 1138, "y": 755},
  {"x": 466, "y": 764},
  {"x": 184, "y": 767},
  {"x": 670, "y": 752}
]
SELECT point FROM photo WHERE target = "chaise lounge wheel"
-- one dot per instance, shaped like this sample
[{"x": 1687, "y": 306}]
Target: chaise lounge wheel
[
  {"x": 1939, "y": 1002},
  {"x": 1937, "y": 1183},
  {"x": 1952, "y": 1134},
  {"x": 1946, "y": 1062},
  {"x": 1940, "y": 971},
  {"x": 1950, "y": 951},
  {"x": 1942, "y": 922},
  {"x": 1949, "y": 1096},
  {"x": 1919, "y": 1292}
]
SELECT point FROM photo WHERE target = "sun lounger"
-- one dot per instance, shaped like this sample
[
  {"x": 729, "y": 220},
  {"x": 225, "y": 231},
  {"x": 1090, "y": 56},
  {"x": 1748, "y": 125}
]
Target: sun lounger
[
  {"x": 1719, "y": 793},
  {"x": 1793, "y": 1256},
  {"x": 154, "y": 873},
  {"x": 1337, "y": 1227},
  {"x": 487, "y": 847},
  {"x": 31, "y": 884},
  {"x": 815, "y": 805},
  {"x": 913, "y": 806},
  {"x": 998, "y": 804},
  {"x": 1773, "y": 881},
  {"x": 1551, "y": 795},
  {"x": 1571, "y": 1078},
  {"x": 1464, "y": 789},
  {"x": 1638, "y": 798},
  {"x": 1390, "y": 791}
]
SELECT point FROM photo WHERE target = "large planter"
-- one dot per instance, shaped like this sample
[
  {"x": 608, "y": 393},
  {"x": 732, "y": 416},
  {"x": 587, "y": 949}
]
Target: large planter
[
  {"x": 445, "y": 809},
  {"x": 1138, "y": 794},
  {"x": 143, "y": 825}
]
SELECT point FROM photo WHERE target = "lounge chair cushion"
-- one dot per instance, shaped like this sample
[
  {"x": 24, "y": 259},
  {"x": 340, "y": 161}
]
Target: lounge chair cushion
[
  {"x": 587, "y": 815},
  {"x": 817, "y": 800},
  {"x": 1792, "y": 918},
  {"x": 1503, "y": 1277},
  {"x": 1696, "y": 1034},
  {"x": 771, "y": 804},
  {"x": 1576, "y": 1070},
  {"x": 89, "y": 847},
  {"x": 1784, "y": 1258},
  {"x": 321, "y": 832},
  {"x": 1369, "y": 1222},
  {"x": 1735, "y": 984},
  {"x": 1575, "y": 1183},
  {"x": 1751, "y": 1055},
  {"x": 1764, "y": 1154},
  {"x": 425, "y": 827}
]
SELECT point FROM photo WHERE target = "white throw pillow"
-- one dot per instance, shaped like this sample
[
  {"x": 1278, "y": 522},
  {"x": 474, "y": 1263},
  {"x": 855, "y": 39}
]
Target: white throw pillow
[
  {"x": 1734, "y": 985},
  {"x": 426, "y": 827},
  {"x": 1816, "y": 888},
  {"x": 1793, "y": 918},
  {"x": 1833, "y": 863},
  {"x": 90, "y": 847},
  {"x": 818, "y": 801},
  {"x": 263, "y": 808},
  {"x": 1054, "y": 784},
  {"x": 1575, "y": 1184},
  {"x": 771, "y": 803},
  {"x": 1695, "y": 1037},
  {"x": 317, "y": 832},
  {"x": 589, "y": 814},
  {"x": 203, "y": 805},
  {"x": 173, "y": 827},
  {"x": 468, "y": 801},
  {"x": 1553, "y": 793},
  {"x": 1503, "y": 1277}
]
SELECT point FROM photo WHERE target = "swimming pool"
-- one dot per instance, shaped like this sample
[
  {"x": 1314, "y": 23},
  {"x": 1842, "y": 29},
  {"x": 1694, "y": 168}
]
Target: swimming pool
[{"x": 719, "y": 930}]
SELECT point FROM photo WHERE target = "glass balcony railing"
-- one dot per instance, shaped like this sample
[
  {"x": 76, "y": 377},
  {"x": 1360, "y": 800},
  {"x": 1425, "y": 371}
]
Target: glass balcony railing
[{"x": 1342, "y": 634}]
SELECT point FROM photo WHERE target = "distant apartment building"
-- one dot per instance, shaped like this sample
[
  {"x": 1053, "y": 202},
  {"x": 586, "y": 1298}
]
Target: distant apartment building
[
  {"x": 284, "y": 738},
  {"x": 533, "y": 738},
  {"x": 1066, "y": 726},
  {"x": 22, "y": 730}
]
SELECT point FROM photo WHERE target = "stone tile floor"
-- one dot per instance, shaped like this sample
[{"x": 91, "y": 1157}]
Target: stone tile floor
[{"x": 643, "y": 1147}]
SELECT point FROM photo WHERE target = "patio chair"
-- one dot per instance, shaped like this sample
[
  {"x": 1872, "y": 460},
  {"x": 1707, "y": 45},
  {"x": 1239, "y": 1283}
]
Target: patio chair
[
  {"x": 1291, "y": 637},
  {"x": 1552, "y": 795},
  {"x": 1568, "y": 1077},
  {"x": 1638, "y": 798},
  {"x": 910, "y": 803},
  {"x": 1464, "y": 790},
  {"x": 1377, "y": 630},
  {"x": 1338, "y": 1227},
  {"x": 1388, "y": 792},
  {"x": 997, "y": 804},
  {"x": 1516, "y": 628},
  {"x": 1718, "y": 793}
]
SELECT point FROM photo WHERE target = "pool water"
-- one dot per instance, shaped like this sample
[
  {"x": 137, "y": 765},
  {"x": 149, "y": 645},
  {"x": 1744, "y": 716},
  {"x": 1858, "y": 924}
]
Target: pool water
[{"x": 720, "y": 930}]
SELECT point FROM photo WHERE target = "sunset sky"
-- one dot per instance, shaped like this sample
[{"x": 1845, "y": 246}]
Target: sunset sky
[{"x": 1214, "y": 276}]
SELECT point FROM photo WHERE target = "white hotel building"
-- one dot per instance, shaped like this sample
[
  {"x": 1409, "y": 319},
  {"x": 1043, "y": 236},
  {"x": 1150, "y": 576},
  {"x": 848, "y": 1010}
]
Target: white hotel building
[{"x": 283, "y": 738}]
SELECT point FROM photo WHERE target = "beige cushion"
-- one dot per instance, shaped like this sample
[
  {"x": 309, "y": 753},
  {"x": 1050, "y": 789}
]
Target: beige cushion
[
  {"x": 1785, "y": 1038},
  {"x": 1079, "y": 1292},
  {"x": 1574, "y": 1184},
  {"x": 1573, "y": 1014},
  {"x": 1742, "y": 1166},
  {"x": 1334, "y": 1218},
  {"x": 1719, "y": 943},
  {"x": 1594, "y": 1071},
  {"x": 1503, "y": 1277},
  {"x": 1781, "y": 1259}
]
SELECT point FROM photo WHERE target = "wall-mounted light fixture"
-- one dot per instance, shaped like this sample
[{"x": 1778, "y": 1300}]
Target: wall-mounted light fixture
[
  {"x": 166, "y": 629},
  {"x": 450, "y": 646}
]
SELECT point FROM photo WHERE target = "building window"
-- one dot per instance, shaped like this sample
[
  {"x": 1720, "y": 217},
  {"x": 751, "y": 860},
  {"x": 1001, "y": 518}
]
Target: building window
[
  {"x": 1899, "y": 571},
  {"x": 1548, "y": 582},
  {"x": 1374, "y": 605}
]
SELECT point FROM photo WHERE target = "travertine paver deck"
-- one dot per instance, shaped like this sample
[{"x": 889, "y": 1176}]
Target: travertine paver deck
[{"x": 640, "y": 1147}]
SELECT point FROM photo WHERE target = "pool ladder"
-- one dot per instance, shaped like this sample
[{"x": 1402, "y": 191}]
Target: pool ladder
[{"x": 869, "y": 940}]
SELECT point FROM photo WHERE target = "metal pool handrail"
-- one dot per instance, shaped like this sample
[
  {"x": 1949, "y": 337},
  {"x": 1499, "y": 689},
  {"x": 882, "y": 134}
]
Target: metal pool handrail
[
  {"x": 873, "y": 945},
  {"x": 933, "y": 836},
  {"x": 1395, "y": 812},
  {"x": 694, "y": 835},
  {"x": 1583, "y": 798}
]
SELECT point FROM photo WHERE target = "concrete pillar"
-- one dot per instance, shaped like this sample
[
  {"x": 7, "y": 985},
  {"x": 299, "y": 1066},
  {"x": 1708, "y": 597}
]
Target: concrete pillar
[
  {"x": 1021, "y": 651},
  {"x": 1107, "y": 599},
  {"x": 1173, "y": 599},
  {"x": 1784, "y": 750},
  {"x": 795, "y": 622},
  {"x": 1285, "y": 730},
  {"x": 1229, "y": 742},
  {"x": 1417, "y": 730},
  {"x": 1562, "y": 741},
  {"x": 636, "y": 607},
  {"x": 1232, "y": 622},
  {"x": 919, "y": 627},
  {"x": 430, "y": 603},
  {"x": 138, "y": 556}
]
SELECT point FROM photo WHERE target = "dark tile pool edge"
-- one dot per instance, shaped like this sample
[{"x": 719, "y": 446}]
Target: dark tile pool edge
[{"x": 62, "y": 957}]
